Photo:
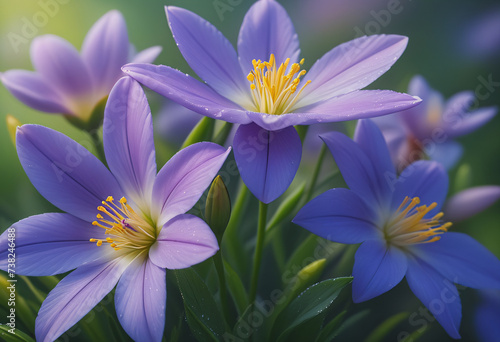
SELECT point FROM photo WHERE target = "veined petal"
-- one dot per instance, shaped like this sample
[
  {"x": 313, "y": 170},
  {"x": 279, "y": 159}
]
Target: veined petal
[
  {"x": 462, "y": 260},
  {"x": 267, "y": 29},
  {"x": 377, "y": 269},
  {"x": 209, "y": 54},
  {"x": 140, "y": 299},
  {"x": 187, "y": 91},
  {"x": 184, "y": 241},
  {"x": 338, "y": 215},
  {"x": 105, "y": 50},
  {"x": 75, "y": 296},
  {"x": 447, "y": 153},
  {"x": 32, "y": 90},
  {"x": 437, "y": 293},
  {"x": 351, "y": 66},
  {"x": 64, "y": 172},
  {"x": 184, "y": 178},
  {"x": 128, "y": 141},
  {"x": 469, "y": 121},
  {"x": 470, "y": 202},
  {"x": 267, "y": 160},
  {"x": 146, "y": 56},
  {"x": 426, "y": 180},
  {"x": 52, "y": 243},
  {"x": 60, "y": 65}
]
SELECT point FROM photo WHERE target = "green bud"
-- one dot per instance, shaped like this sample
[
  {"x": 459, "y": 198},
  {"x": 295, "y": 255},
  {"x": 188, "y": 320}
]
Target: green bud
[
  {"x": 12, "y": 124},
  {"x": 218, "y": 207},
  {"x": 463, "y": 178},
  {"x": 95, "y": 119}
]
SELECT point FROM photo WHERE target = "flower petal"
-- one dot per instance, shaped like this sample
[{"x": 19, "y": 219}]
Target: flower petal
[
  {"x": 30, "y": 88},
  {"x": 60, "y": 65},
  {"x": 267, "y": 160},
  {"x": 184, "y": 178},
  {"x": 447, "y": 153},
  {"x": 438, "y": 295},
  {"x": 146, "y": 56},
  {"x": 377, "y": 269},
  {"x": 64, "y": 172},
  {"x": 351, "y": 66},
  {"x": 50, "y": 244},
  {"x": 267, "y": 29},
  {"x": 140, "y": 299},
  {"x": 477, "y": 267},
  {"x": 184, "y": 241},
  {"x": 75, "y": 296},
  {"x": 186, "y": 91},
  {"x": 128, "y": 141},
  {"x": 470, "y": 202},
  {"x": 209, "y": 54},
  {"x": 469, "y": 122},
  {"x": 424, "y": 179},
  {"x": 105, "y": 50},
  {"x": 338, "y": 215}
]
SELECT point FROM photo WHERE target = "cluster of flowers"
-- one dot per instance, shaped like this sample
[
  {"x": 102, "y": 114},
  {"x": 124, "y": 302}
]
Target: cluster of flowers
[{"x": 124, "y": 224}]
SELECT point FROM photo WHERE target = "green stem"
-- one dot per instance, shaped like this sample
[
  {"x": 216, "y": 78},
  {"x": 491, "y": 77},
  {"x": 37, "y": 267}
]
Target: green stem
[
  {"x": 219, "y": 266},
  {"x": 261, "y": 230},
  {"x": 96, "y": 140},
  {"x": 317, "y": 169},
  {"x": 221, "y": 137}
]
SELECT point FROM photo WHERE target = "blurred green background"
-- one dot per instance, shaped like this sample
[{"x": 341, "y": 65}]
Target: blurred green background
[{"x": 443, "y": 47}]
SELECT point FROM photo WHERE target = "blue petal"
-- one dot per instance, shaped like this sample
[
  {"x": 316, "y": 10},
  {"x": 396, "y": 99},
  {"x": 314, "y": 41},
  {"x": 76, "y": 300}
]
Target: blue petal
[
  {"x": 75, "y": 296},
  {"x": 462, "y": 260},
  {"x": 487, "y": 317},
  {"x": 52, "y": 243},
  {"x": 424, "y": 179},
  {"x": 140, "y": 300},
  {"x": 437, "y": 293},
  {"x": 377, "y": 269},
  {"x": 447, "y": 153},
  {"x": 267, "y": 29},
  {"x": 128, "y": 141},
  {"x": 338, "y": 215},
  {"x": 65, "y": 173},
  {"x": 209, "y": 54},
  {"x": 267, "y": 160}
]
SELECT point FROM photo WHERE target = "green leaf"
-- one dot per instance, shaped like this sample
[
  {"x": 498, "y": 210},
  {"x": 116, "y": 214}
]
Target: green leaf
[
  {"x": 19, "y": 336},
  {"x": 286, "y": 207},
  {"x": 384, "y": 329},
  {"x": 352, "y": 321},
  {"x": 201, "y": 132},
  {"x": 308, "y": 305},
  {"x": 236, "y": 289},
  {"x": 203, "y": 316},
  {"x": 307, "y": 331},
  {"x": 330, "y": 330}
]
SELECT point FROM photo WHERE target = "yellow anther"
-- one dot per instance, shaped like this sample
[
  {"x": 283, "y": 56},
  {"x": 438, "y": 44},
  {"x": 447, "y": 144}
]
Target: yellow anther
[
  {"x": 302, "y": 61},
  {"x": 123, "y": 200},
  {"x": 92, "y": 240},
  {"x": 99, "y": 243},
  {"x": 109, "y": 199}
]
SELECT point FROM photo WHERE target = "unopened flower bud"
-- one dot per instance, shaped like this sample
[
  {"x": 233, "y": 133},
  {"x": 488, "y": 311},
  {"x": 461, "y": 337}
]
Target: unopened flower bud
[{"x": 218, "y": 207}]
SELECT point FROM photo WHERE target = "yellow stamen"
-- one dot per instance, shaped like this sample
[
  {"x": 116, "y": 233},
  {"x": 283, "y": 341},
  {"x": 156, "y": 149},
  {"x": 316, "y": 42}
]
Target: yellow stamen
[{"x": 273, "y": 90}]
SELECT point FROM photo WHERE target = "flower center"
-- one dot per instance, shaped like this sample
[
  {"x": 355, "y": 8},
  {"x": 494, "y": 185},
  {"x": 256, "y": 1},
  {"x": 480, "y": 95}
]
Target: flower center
[
  {"x": 407, "y": 226},
  {"x": 126, "y": 229},
  {"x": 274, "y": 91}
]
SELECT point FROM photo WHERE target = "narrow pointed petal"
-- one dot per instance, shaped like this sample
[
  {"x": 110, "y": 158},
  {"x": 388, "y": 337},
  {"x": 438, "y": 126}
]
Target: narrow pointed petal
[
  {"x": 64, "y": 172},
  {"x": 187, "y": 91},
  {"x": 75, "y": 296},
  {"x": 105, "y": 50},
  {"x": 470, "y": 202},
  {"x": 352, "y": 66},
  {"x": 338, "y": 215},
  {"x": 60, "y": 64},
  {"x": 267, "y": 29},
  {"x": 437, "y": 293},
  {"x": 184, "y": 178},
  {"x": 147, "y": 55},
  {"x": 209, "y": 54},
  {"x": 458, "y": 105},
  {"x": 447, "y": 153},
  {"x": 477, "y": 268},
  {"x": 469, "y": 122},
  {"x": 377, "y": 269},
  {"x": 128, "y": 140},
  {"x": 424, "y": 179},
  {"x": 184, "y": 241},
  {"x": 267, "y": 160},
  {"x": 49, "y": 244},
  {"x": 140, "y": 300},
  {"x": 32, "y": 90}
]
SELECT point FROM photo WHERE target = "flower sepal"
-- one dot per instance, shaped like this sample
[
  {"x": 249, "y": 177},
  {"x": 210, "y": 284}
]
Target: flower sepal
[{"x": 95, "y": 119}]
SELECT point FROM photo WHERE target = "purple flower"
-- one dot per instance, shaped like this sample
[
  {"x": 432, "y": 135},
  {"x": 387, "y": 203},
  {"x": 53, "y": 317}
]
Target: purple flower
[
  {"x": 398, "y": 223},
  {"x": 122, "y": 226},
  {"x": 71, "y": 83},
  {"x": 428, "y": 130},
  {"x": 264, "y": 88},
  {"x": 470, "y": 202}
]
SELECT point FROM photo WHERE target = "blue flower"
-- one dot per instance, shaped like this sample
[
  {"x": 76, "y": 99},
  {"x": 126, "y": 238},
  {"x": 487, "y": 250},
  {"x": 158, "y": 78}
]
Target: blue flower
[{"x": 398, "y": 222}]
